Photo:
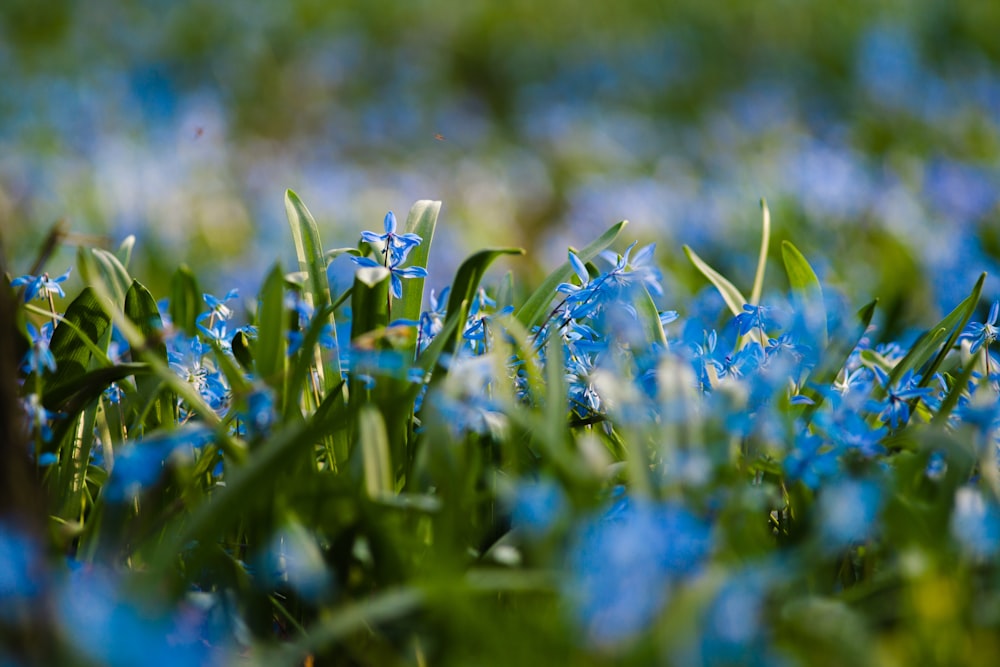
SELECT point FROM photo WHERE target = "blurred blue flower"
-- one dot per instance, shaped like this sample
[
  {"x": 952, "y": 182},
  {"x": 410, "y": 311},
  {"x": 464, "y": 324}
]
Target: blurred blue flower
[
  {"x": 536, "y": 506},
  {"x": 40, "y": 286},
  {"x": 39, "y": 358},
  {"x": 21, "y": 571},
  {"x": 111, "y": 630},
  {"x": 624, "y": 566},
  {"x": 141, "y": 462},
  {"x": 38, "y": 417},
  {"x": 975, "y": 523},
  {"x": 848, "y": 512}
]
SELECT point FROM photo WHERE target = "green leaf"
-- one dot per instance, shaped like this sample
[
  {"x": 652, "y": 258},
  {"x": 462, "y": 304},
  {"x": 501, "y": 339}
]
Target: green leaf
[
  {"x": 732, "y": 296},
  {"x": 375, "y": 452},
  {"x": 112, "y": 271},
  {"x": 271, "y": 322},
  {"x": 73, "y": 339},
  {"x": 765, "y": 241},
  {"x": 537, "y": 305},
  {"x": 185, "y": 300},
  {"x": 125, "y": 250},
  {"x": 309, "y": 250},
  {"x": 369, "y": 300},
  {"x": 421, "y": 221},
  {"x": 141, "y": 309},
  {"x": 806, "y": 290},
  {"x": 947, "y": 330},
  {"x": 242, "y": 348},
  {"x": 649, "y": 318},
  {"x": 939, "y": 339},
  {"x": 466, "y": 282}
]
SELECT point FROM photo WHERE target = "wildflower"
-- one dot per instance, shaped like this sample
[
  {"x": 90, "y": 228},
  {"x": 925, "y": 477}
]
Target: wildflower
[
  {"x": 982, "y": 333},
  {"x": 38, "y": 416},
  {"x": 397, "y": 246},
  {"x": 40, "y": 286},
  {"x": 396, "y": 272},
  {"x": 39, "y": 358},
  {"x": 895, "y": 407}
]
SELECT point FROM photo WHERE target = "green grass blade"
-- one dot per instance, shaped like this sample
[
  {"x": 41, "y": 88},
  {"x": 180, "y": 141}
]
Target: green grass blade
[
  {"x": 375, "y": 453},
  {"x": 733, "y": 297},
  {"x": 649, "y": 318},
  {"x": 537, "y": 305},
  {"x": 765, "y": 241},
  {"x": 309, "y": 250},
  {"x": 185, "y": 300},
  {"x": 141, "y": 309},
  {"x": 806, "y": 290},
  {"x": 466, "y": 282},
  {"x": 421, "y": 221},
  {"x": 938, "y": 340},
  {"x": 271, "y": 322},
  {"x": 369, "y": 300}
]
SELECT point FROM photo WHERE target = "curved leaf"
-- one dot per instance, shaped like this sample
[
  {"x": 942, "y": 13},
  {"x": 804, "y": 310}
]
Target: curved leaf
[
  {"x": 535, "y": 306},
  {"x": 466, "y": 282},
  {"x": 806, "y": 290},
  {"x": 733, "y": 297},
  {"x": 309, "y": 251}
]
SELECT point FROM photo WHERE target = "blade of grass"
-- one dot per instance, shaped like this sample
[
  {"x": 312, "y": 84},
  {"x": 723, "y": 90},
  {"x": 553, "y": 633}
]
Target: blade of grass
[
  {"x": 733, "y": 297},
  {"x": 765, "y": 241}
]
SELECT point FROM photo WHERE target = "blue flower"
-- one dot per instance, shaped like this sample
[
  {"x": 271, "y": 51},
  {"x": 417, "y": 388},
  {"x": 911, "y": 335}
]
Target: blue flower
[
  {"x": 396, "y": 245},
  {"x": 38, "y": 417},
  {"x": 755, "y": 317},
  {"x": 141, "y": 463},
  {"x": 849, "y": 511},
  {"x": 625, "y": 564},
  {"x": 396, "y": 272},
  {"x": 895, "y": 407},
  {"x": 982, "y": 333},
  {"x": 40, "y": 286},
  {"x": 39, "y": 358}
]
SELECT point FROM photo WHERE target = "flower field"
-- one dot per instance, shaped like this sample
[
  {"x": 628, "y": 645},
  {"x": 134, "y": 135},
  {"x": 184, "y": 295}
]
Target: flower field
[{"x": 571, "y": 472}]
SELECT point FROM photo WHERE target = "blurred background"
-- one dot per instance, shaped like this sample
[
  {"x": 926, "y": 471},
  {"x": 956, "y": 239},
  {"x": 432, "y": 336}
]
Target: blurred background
[{"x": 872, "y": 128}]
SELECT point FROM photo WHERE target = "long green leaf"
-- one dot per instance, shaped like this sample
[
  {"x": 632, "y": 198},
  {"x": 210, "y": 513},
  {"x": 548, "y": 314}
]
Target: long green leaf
[
  {"x": 113, "y": 271},
  {"x": 141, "y": 309},
  {"x": 649, "y": 318},
  {"x": 421, "y": 221},
  {"x": 466, "y": 282},
  {"x": 536, "y": 306},
  {"x": 85, "y": 318},
  {"x": 369, "y": 300},
  {"x": 271, "y": 341},
  {"x": 185, "y": 300},
  {"x": 375, "y": 452},
  {"x": 733, "y": 297},
  {"x": 938, "y": 340},
  {"x": 309, "y": 251},
  {"x": 765, "y": 241},
  {"x": 806, "y": 290}
]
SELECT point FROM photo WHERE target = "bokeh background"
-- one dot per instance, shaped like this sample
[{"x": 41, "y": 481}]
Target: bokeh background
[{"x": 872, "y": 128}]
